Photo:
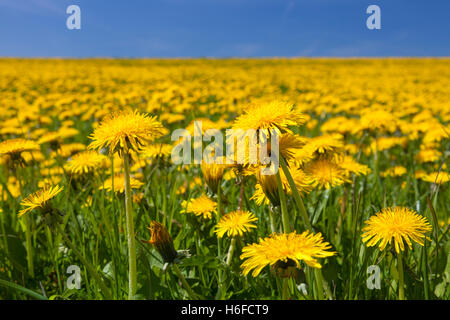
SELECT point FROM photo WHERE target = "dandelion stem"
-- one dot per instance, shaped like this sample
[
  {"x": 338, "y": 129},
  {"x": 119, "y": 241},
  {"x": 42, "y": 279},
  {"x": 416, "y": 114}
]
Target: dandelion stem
[
  {"x": 285, "y": 291},
  {"x": 231, "y": 251},
  {"x": 132, "y": 275},
  {"x": 186, "y": 285},
  {"x": 284, "y": 213},
  {"x": 296, "y": 194},
  {"x": 29, "y": 245},
  {"x": 401, "y": 285},
  {"x": 301, "y": 206}
]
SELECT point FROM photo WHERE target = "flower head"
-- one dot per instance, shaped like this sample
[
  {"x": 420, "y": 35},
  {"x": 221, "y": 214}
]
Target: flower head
[
  {"x": 398, "y": 224},
  {"x": 126, "y": 130},
  {"x": 326, "y": 173},
  {"x": 202, "y": 206},
  {"x": 13, "y": 148},
  {"x": 235, "y": 223},
  {"x": 119, "y": 184},
  {"x": 162, "y": 240},
  {"x": 275, "y": 115},
  {"x": 39, "y": 199},
  {"x": 85, "y": 162},
  {"x": 285, "y": 249}
]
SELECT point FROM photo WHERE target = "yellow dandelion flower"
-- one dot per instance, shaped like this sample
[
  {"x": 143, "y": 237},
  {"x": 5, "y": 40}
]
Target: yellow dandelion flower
[
  {"x": 326, "y": 173},
  {"x": 39, "y": 199},
  {"x": 14, "y": 148},
  {"x": 436, "y": 177},
  {"x": 235, "y": 223},
  {"x": 126, "y": 130},
  {"x": 85, "y": 162},
  {"x": 119, "y": 184},
  {"x": 398, "y": 225},
  {"x": 201, "y": 206},
  {"x": 275, "y": 115},
  {"x": 213, "y": 172},
  {"x": 350, "y": 166},
  {"x": 396, "y": 171},
  {"x": 266, "y": 188},
  {"x": 282, "y": 250},
  {"x": 325, "y": 145},
  {"x": 157, "y": 150},
  {"x": 428, "y": 155}
]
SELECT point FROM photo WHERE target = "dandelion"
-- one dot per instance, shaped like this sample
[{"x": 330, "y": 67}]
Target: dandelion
[
  {"x": 13, "y": 148},
  {"x": 122, "y": 132},
  {"x": 235, "y": 223},
  {"x": 397, "y": 225},
  {"x": 119, "y": 184},
  {"x": 201, "y": 206},
  {"x": 85, "y": 162},
  {"x": 276, "y": 115},
  {"x": 162, "y": 241},
  {"x": 283, "y": 250},
  {"x": 125, "y": 131},
  {"x": 326, "y": 173},
  {"x": 40, "y": 199}
]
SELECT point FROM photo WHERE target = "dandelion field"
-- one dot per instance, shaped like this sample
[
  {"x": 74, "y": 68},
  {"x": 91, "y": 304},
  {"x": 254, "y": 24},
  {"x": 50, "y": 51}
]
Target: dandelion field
[{"x": 87, "y": 179}]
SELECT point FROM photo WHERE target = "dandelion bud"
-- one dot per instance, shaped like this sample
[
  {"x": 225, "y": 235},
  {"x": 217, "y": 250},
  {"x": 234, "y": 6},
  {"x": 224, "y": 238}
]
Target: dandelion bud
[{"x": 162, "y": 240}]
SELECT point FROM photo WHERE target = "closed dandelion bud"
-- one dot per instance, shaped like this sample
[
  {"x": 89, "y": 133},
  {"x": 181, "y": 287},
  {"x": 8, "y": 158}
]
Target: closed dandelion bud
[
  {"x": 213, "y": 173},
  {"x": 162, "y": 240}
]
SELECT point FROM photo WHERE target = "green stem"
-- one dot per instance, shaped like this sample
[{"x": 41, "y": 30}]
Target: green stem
[
  {"x": 86, "y": 263},
  {"x": 401, "y": 285},
  {"x": 132, "y": 275},
  {"x": 425, "y": 271},
  {"x": 231, "y": 251},
  {"x": 285, "y": 292},
  {"x": 296, "y": 194},
  {"x": 29, "y": 245},
  {"x": 284, "y": 214},
  {"x": 272, "y": 220},
  {"x": 319, "y": 281},
  {"x": 186, "y": 285},
  {"x": 302, "y": 209}
]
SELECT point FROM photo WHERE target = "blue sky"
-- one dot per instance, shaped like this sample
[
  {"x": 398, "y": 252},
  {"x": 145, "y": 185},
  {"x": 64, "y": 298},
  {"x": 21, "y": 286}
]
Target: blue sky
[{"x": 224, "y": 28}]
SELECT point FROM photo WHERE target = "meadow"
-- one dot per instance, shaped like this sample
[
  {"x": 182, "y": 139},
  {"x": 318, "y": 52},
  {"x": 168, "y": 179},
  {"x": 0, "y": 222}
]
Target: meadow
[{"x": 94, "y": 207}]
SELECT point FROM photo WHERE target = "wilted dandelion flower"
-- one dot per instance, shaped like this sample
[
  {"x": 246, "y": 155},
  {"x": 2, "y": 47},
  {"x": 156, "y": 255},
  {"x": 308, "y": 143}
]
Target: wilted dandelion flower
[
  {"x": 162, "y": 240},
  {"x": 235, "y": 223},
  {"x": 39, "y": 199},
  {"x": 126, "y": 130},
  {"x": 85, "y": 162},
  {"x": 398, "y": 225},
  {"x": 201, "y": 206},
  {"x": 283, "y": 250}
]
